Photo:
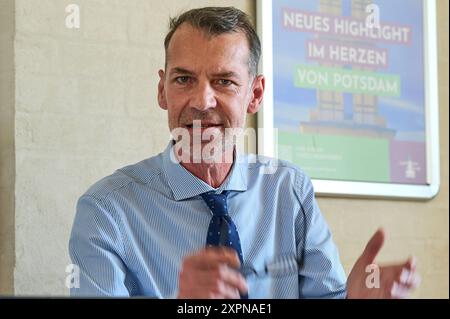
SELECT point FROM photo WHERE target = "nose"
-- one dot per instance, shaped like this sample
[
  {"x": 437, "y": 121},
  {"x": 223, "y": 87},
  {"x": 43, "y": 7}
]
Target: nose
[{"x": 203, "y": 97}]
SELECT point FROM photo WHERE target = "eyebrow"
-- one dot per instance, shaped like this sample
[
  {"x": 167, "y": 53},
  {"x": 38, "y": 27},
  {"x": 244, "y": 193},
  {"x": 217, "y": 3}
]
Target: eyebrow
[
  {"x": 226, "y": 74},
  {"x": 178, "y": 70}
]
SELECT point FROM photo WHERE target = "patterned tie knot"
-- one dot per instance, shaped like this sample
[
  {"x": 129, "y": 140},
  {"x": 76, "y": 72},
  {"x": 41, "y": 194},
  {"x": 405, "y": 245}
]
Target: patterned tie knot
[{"x": 217, "y": 203}]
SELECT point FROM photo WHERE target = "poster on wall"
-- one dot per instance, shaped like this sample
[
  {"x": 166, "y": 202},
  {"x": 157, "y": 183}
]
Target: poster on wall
[{"x": 352, "y": 94}]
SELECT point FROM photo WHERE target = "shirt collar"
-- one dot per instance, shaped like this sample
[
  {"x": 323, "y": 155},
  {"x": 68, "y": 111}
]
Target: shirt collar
[{"x": 186, "y": 185}]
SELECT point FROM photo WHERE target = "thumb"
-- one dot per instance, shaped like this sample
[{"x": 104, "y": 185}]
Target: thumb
[{"x": 373, "y": 247}]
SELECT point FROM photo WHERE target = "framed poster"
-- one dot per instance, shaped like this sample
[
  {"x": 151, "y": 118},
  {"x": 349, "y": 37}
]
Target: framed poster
[{"x": 352, "y": 94}]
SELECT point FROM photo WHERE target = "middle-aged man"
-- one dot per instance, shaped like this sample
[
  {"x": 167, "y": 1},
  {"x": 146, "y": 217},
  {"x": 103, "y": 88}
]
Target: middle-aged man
[{"x": 186, "y": 222}]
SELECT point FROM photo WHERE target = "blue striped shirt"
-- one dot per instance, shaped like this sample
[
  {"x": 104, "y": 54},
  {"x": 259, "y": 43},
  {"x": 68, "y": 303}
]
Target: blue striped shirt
[{"x": 133, "y": 228}]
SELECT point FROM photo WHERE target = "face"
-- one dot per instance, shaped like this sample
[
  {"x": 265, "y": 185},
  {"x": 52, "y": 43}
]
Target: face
[{"x": 208, "y": 79}]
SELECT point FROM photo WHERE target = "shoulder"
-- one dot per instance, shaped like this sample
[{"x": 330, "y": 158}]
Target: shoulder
[
  {"x": 143, "y": 172},
  {"x": 284, "y": 174},
  {"x": 275, "y": 168}
]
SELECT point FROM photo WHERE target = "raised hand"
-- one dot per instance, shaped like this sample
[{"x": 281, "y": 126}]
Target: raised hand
[{"x": 394, "y": 281}]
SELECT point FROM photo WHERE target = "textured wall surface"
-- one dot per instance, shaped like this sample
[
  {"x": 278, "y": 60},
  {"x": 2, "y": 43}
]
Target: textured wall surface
[
  {"x": 6, "y": 146},
  {"x": 85, "y": 104}
]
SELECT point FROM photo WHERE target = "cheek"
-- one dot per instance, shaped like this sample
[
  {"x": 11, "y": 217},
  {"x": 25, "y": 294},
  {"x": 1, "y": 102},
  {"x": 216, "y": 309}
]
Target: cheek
[
  {"x": 175, "y": 104},
  {"x": 174, "y": 117},
  {"x": 235, "y": 115},
  {"x": 172, "y": 98}
]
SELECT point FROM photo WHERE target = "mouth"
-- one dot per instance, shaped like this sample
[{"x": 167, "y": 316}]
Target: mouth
[{"x": 204, "y": 125}]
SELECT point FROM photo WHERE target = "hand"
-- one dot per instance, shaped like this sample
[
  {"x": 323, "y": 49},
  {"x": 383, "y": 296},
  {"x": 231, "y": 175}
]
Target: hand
[
  {"x": 395, "y": 281},
  {"x": 209, "y": 274}
]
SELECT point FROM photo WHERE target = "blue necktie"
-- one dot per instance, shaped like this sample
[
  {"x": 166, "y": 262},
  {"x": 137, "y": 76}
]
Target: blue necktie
[{"x": 222, "y": 231}]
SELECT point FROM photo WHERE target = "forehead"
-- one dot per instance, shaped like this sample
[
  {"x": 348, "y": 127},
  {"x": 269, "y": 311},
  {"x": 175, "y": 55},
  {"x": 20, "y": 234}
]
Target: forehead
[{"x": 194, "y": 48}]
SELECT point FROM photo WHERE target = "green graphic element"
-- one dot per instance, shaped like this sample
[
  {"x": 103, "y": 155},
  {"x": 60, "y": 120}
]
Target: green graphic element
[
  {"x": 337, "y": 157},
  {"x": 350, "y": 81}
]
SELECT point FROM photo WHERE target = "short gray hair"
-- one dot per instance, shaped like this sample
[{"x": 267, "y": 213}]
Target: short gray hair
[{"x": 216, "y": 21}]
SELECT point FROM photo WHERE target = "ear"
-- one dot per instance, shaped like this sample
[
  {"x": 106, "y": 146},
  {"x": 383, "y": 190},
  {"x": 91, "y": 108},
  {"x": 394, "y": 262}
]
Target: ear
[
  {"x": 162, "y": 101},
  {"x": 257, "y": 94}
]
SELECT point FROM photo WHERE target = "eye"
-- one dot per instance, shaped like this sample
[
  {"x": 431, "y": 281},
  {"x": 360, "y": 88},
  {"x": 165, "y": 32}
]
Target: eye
[
  {"x": 224, "y": 82},
  {"x": 182, "y": 79}
]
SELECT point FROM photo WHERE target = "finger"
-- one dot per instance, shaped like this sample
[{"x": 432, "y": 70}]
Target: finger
[
  {"x": 221, "y": 282},
  {"x": 210, "y": 279},
  {"x": 411, "y": 263},
  {"x": 210, "y": 257},
  {"x": 232, "y": 278},
  {"x": 212, "y": 283},
  {"x": 409, "y": 279},
  {"x": 224, "y": 291},
  {"x": 214, "y": 288},
  {"x": 224, "y": 255},
  {"x": 400, "y": 291},
  {"x": 373, "y": 247},
  {"x": 207, "y": 278}
]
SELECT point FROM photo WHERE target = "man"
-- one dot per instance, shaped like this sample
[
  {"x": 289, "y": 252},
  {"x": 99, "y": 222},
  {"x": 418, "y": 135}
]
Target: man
[{"x": 143, "y": 230}]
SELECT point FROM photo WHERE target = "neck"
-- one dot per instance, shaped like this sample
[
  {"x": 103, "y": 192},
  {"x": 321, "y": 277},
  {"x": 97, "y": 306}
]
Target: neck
[{"x": 213, "y": 174}]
